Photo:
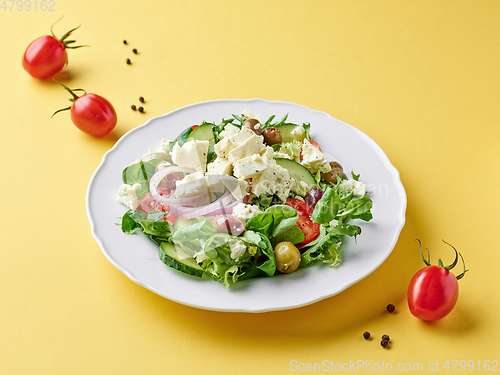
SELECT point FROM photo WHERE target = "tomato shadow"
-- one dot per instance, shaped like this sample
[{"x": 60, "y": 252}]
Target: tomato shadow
[
  {"x": 461, "y": 321},
  {"x": 64, "y": 76}
]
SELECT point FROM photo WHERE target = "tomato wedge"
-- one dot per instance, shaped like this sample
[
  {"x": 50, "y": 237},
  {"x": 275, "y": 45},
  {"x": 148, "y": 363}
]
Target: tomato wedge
[{"x": 305, "y": 223}]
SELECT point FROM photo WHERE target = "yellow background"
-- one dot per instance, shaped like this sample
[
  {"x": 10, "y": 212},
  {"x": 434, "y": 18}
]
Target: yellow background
[{"x": 419, "y": 77}]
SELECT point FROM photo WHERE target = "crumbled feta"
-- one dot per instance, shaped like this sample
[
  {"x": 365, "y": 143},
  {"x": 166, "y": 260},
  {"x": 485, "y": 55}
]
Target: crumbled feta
[
  {"x": 192, "y": 154},
  {"x": 334, "y": 223},
  {"x": 313, "y": 159},
  {"x": 274, "y": 180},
  {"x": 257, "y": 126},
  {"x": 237, "y": 247},
  {"x": 298, "y": 131},
  {"x": 223, "y": 147},
  {"x": 247, "y": 114},
  {"x": 229, "y": 131},
  {"x": 240, "y": 137},
  {"x": 191, "y": 185},
  {"x": 358, "y": 188},
  {"x": 127, "y": 195},
  {"x": 245, "y": 211},
  {"x": 237, "y": 187},
  {"x": 249, "y": 166}
]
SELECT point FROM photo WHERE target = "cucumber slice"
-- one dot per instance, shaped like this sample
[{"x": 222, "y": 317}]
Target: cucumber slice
[
  {"x": 298, "y": 172},
  {"x": 286, "y": 133},
  {"x": 168, "y": 255},
  {"x": 203, "y": 133}
]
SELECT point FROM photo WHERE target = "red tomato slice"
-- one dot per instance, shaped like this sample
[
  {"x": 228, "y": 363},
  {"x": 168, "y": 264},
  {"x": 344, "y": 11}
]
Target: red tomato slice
[{"x": 305, "y": 224}]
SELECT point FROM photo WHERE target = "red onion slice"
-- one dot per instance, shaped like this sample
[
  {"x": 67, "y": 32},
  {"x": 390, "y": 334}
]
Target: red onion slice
[{"x": 209, "y": 209}]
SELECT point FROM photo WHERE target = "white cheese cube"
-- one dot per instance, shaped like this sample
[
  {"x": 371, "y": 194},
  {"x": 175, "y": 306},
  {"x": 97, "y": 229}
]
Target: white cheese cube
[
  {"x": 247, "y": 114},
  {"x": 223, "y": 147},
  {"x": 298, "y": 131},
  {"x": 252, "y": 145},
  {"x": 244, "y": 212},
  {"x": 229, "y": 131},
  {"x": 313, "y": 159},
  {"x": 219, "y": 166},
  {"x": 240, "y": 137},
  {"x": 127, "y": 195},
  {"x": 282, "y": 155},
  {"x": 237, "y": 247},
  {"x": 249, "y": 167},
  {"x": 237, "y": 187},
  {"x": 191, "y": 185},
  {"x": 192, "y": 154}
]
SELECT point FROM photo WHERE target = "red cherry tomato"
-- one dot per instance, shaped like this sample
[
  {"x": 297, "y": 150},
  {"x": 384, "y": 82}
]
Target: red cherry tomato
[
  {"x": 433, "y": 291},
  {"x": 172, "y": 218},
  {"x": 91, "y": 113},
  {"x": 47, "y": 55},
  {"x": 305, "y": 224},
  {"x": 194, "y": 126}
]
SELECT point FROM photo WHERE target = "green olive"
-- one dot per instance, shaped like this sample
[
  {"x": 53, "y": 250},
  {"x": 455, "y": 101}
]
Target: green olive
[
  {"x": 331, "y": 176},
  {"x": 272, "y": 136},
  {"x": 287, "y": 257}
]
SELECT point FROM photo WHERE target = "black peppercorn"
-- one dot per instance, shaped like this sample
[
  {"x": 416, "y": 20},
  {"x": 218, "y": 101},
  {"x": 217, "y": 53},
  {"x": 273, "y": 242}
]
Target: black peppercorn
[
  {"x": 133, "y": 107},
  {"x": 366, "y": 335},
  {"x": 128, "y": 61},
  {"x": 391, "y": 308},
  {"x": 124, "y": 42},
  {"x": 134, "y": 51},
  {"x": 386, "y": 337},
  {"x": 141, "y": 109},
  {"x": 384, "y": 343},
  {"x": 141, "y": 99}
]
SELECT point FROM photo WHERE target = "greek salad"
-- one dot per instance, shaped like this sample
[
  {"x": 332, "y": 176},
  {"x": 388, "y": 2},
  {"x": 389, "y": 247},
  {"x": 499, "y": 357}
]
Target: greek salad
[{"x": 243, "y": 198}]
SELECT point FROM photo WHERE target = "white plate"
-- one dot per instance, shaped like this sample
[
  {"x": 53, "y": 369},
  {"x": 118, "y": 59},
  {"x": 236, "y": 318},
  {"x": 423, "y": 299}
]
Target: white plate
[{"x": 137, "y": 257}]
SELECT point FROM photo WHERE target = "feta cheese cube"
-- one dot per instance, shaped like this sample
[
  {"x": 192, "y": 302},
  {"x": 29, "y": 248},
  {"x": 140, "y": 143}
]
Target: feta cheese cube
[
  {"x": 127, "y": 195},
  {"x": 247, "y": 114},
  {"x": 243, "y": 212},
  {"x": 192, "y": 154},
  {"x": 252, "y": 145},
  {"x": 220, "y": 166},
  {"x": 229, "y": 131},
  {"x": 191, "y": 185},
  {"x": 282, "y": 155},
  {"x": 242, "y": 135},
  {"x": 298, "y": 131},
  {"x": 313, "y": 159},
  {"x": 223, "y": 147},
  {"x": 249, "y": 167},
  {"x": 237, "y": 187}
]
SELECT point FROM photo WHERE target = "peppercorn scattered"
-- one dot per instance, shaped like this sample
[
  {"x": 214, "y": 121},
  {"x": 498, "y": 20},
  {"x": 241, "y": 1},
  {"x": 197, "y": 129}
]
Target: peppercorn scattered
[
  {"x": 124, "y": 42},
  {"x": 366, "y": 335},
  {"x": 141, "y": 109},
  {"x": 386, "y": 337},
  {"x": 135, "y": 51},
  {"x": 391, "y": 308},
  {"x": 384, "y": 343},
  {"x": 128, "y": 61},
  {"x": 134, "y": 108},
  {"x": 141, "y": 99}
]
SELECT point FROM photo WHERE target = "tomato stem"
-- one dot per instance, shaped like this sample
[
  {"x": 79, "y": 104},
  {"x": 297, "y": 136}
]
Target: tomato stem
[
  {"x": 428, "y": 260},
  {"x": 63, "y": 39},
  {"x": 72, "y": 92}
]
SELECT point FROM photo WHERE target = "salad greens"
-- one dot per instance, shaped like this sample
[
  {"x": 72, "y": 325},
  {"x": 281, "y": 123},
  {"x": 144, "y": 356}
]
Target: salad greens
[{"x": 240, "y": 243}]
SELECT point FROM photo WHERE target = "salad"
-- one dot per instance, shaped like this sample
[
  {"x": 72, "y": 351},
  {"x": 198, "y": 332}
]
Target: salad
[{"x": 243, "y": 198}]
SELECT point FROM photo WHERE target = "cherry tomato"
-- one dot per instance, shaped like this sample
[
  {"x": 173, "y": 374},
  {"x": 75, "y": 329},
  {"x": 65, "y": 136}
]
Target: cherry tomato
[
  {"x": 91, "y": 113},
  {"x": 194, "y": 126},
  {"x": 305, "y": 224},
  {"x": 47, "y": 55},
  {"x": 433, "y": 291},
  {"x": 148, "y": 204},
  {"x": 172, "y": 218}
]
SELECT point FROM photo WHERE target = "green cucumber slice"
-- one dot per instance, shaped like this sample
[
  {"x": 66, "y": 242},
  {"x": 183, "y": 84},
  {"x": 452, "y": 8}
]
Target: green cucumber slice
[
  {"x": 286, "y": 133},
  {"x": 168, "y": 255},
  {"x": 182, "y": 223},
  {"x": 298, "y": 172},
  {"x": 203, "y": 133}
]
